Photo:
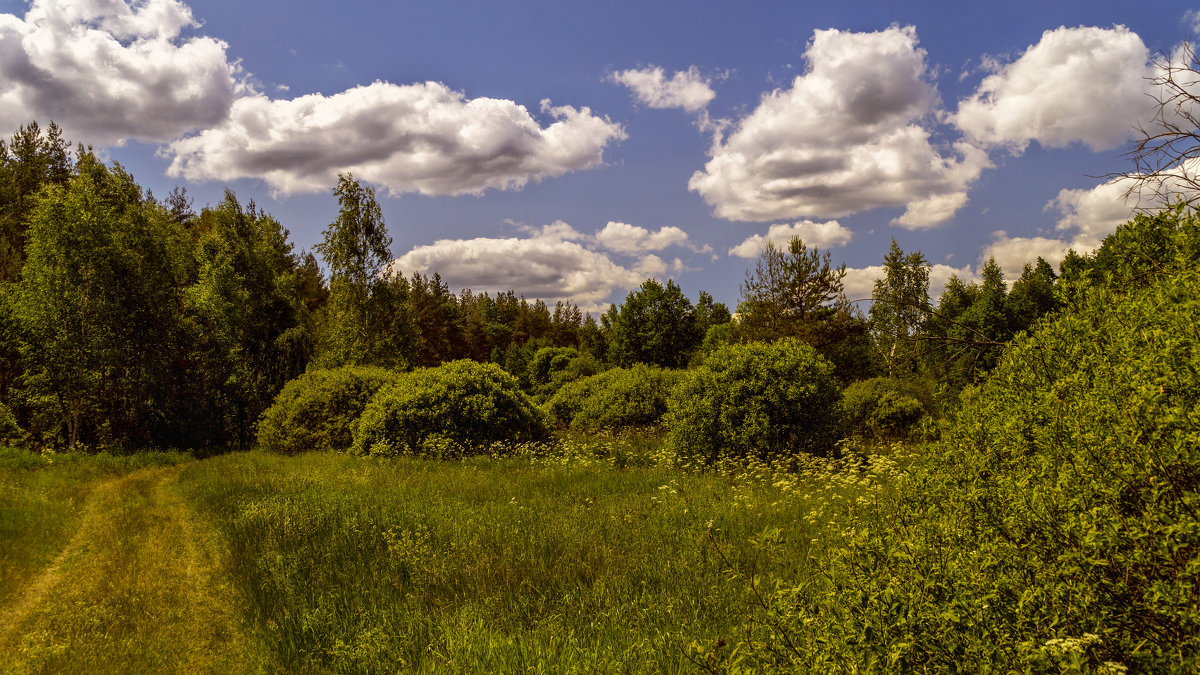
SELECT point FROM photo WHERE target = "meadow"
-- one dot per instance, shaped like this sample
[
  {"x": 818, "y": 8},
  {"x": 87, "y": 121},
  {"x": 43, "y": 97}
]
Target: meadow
[{"x": 587, "y": 554}]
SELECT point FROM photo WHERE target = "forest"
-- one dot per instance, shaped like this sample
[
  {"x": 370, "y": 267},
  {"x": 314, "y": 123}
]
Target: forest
[{"x": 376, "y": 473}]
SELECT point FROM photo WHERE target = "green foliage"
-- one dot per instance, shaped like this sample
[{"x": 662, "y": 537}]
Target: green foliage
[
  {"x": 11, "y": 434},
  {"x": 369, "y": 319},
  {"x": 461, "y": 406},
  {"x": 248, "y": 331},
  {"x": 318, "y": 410},
  {"x": 1054, "y": 527},
  {"x": 97, "y": 309},
  {"x": 883, "y": 408},
  {"x": 655, "y": 325},
  {"x": 614, "y": 399},
  {"x": 30, "y": 160},
  {"x": 548, "y": 362},
  {"x": 764, "y": 401}
]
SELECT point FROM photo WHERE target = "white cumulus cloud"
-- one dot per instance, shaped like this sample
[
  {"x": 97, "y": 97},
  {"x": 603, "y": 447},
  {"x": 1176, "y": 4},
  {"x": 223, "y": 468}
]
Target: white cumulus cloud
[
  {"x": 847, "y": 137},
  {"x": 552, "y": 263},
  {"x": 631, "y": 239},
  {"x": 819, "y": 235},
  {"x": 686, "y": 89},
  {"x": 1085, "y": 85},
  {"x": 1087, "y": 216},
  {"x": 423, "y": 138},
  {"x": 109, "y": 70}
]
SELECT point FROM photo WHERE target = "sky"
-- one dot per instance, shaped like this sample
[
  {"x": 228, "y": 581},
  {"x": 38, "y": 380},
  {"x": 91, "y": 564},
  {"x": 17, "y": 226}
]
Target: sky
[{"x": 571, "y": 150}]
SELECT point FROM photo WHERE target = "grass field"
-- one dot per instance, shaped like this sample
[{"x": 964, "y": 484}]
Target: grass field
[{"x": 594, "y": 557}]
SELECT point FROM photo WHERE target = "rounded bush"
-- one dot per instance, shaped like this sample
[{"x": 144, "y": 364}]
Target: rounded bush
[
  {"x": 457, "y": 407},
  {"x": 617, "y": 398},
  {"x": 763, "y": 400},
  {"x": 548, "y": 361},
  {"x": 883, "y": 408},
  {"x": 317, "y": 410}
]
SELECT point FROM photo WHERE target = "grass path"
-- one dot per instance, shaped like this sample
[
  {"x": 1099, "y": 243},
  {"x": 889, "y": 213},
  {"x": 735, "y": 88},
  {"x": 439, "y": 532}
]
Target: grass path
[{"x": 140, "y": 588}]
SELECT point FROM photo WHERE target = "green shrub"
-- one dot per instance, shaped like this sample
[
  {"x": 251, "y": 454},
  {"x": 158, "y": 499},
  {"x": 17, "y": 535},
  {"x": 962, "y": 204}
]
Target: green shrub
[
  {"x": 546, "y": 362},
  {"x": 553, "y": 367},
  {"x": 883, "y": 408},
  {"x": 457, "y": 407},
  {"x": 317, "y": 410},
  {"x": 1053, "y": 529},
  {"x": 762, "y": 400},
  {"x": 617, "y": 398}
]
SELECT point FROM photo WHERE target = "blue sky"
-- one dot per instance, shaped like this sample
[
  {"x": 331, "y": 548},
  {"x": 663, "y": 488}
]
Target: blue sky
[{"x": 570, "y": 150}]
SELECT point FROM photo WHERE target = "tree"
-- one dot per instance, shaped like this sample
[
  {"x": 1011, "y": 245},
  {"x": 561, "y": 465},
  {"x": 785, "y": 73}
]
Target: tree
[
  {"x": 1032, "y": 295},
  {"x": 969, "y": 326},
  {"x": 787, "y": 290},
  {"x": 97, "y": 308},
  {"x": 710, "y": 313},
  {"x": 899, "y": 306},
  {"x": 249, "y": 328},
  {"x": 796, "y": 292},
  {"x": 30, "y": 160},
  {"x": 655, "y": 325},
  {"x": 1166, "y": 156},
  {"x": 356, "y": 247}
]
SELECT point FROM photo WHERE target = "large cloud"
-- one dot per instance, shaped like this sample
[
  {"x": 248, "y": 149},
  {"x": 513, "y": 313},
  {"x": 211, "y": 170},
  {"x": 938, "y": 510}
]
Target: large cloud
[
  {"x": 552, "y": 264},
  {"x": 819, "y": 235},
  {"x": 1084, "y": 85},
  {"x": 686, "y": 89},
  {"x": 846, "y": 137},
  {"x": 107, "y": 71},
  {"x": 423, "y": 138}
]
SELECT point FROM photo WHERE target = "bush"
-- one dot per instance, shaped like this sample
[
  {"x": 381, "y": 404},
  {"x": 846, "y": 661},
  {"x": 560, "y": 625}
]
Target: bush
[
  {"x": 457, "y": 407},
  {"x": 552, "y": 367},
  {"x": 762, "y": 400},
  {"x": 883, "y": 408},
  {"x": 546, "y": 362},
  {"x": 617, "y": 398},
  {"x": 317, "y": 410},
  {"x": 1053, "y": 529}
]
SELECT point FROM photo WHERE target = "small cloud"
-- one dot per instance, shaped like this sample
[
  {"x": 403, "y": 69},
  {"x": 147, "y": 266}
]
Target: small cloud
[
  {"x": 686, "y": 89},
  {"x": 817, "y": 235},
  {"x": 1191, "y": 19},
  {"x": 631, "y": 239}
]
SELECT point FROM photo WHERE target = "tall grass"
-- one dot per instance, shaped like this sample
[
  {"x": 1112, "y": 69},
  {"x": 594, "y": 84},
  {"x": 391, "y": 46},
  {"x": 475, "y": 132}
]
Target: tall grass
[
  {"x": 558, "y": 561},
  {"x": 41, "y": 498}
]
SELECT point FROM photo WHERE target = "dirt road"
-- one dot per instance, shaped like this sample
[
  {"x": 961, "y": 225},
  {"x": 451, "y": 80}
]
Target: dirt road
[{"x": 139, "y": 588}]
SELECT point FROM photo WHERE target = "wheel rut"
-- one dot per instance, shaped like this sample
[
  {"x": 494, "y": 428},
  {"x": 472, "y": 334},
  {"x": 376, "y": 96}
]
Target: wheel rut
[{"x": 140, "y": 587}]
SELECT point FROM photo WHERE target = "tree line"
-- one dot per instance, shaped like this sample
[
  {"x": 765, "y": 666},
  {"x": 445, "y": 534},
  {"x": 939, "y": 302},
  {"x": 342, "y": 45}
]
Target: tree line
[{"x": 131, "y": 321}]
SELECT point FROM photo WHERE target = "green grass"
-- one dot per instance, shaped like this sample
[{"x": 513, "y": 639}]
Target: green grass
[
  {"x": 556, "y": 563},
  {"x": 595, "y": 554},
  {"x": 41, "y": 501}
]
